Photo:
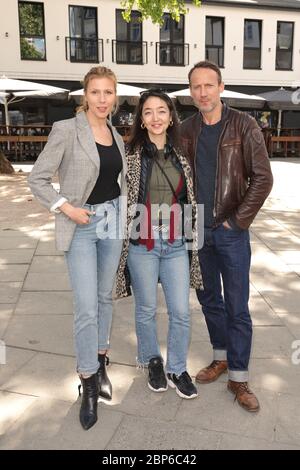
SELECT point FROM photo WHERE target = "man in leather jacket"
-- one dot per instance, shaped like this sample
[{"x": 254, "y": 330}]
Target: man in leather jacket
[{"x": 232, "y": 178}]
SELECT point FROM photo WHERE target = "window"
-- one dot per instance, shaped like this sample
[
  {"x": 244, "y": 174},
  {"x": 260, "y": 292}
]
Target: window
[
  {"x": 214, "y": 40},
  {"x": 284, "y": 45},
  {"x": 32, "y": 31},
  {"x": 171, "y": 45},
  {"x": 129, "y": 49},
  {"x": 252, "y": 44},
  {"x": 83, "y": 40}
]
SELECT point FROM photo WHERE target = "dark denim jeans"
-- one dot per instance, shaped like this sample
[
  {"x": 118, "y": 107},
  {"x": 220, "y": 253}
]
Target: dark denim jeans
[{"x": 225, "y": 260}]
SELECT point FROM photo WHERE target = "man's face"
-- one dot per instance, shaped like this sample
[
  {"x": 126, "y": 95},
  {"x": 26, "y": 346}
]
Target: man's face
[{"x": 205, "y": 89}]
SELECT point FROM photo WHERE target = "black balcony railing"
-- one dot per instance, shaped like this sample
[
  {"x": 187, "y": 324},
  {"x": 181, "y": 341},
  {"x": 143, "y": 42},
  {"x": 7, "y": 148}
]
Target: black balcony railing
[
  {"x": 215, "y": 54},
  {"x": 168, "y": 53},
  {"x": 84, "y": 50},
  {"x": 130, "y": 52}
]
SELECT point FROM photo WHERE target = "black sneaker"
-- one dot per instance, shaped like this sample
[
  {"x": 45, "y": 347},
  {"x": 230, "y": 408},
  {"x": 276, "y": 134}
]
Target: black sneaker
[
  {"x": 157, "y": 379},
  {"x": 183, "y": 384}
]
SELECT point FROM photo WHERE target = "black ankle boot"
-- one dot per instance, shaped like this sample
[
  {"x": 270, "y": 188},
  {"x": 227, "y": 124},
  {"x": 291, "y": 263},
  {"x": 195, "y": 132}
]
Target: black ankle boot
[
  {"x": 88, "y": 410},
  {"x": 105, "y": 388}
]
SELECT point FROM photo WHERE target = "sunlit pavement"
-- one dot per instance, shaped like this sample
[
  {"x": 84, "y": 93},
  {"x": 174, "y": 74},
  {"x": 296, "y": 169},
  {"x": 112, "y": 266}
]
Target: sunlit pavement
[{"x": 38, "y": 383}]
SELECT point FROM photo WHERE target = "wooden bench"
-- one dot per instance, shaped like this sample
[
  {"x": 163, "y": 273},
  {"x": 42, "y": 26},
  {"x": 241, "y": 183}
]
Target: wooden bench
[{"x": 286, "y": 142}]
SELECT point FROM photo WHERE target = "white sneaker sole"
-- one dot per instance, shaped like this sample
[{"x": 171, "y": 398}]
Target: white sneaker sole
[
  {"x": 158, "y": 390},
  {"x": 179, "y": 393}
]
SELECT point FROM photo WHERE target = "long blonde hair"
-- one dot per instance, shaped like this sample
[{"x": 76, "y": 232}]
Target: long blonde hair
[{"x": 97, "y": 72}]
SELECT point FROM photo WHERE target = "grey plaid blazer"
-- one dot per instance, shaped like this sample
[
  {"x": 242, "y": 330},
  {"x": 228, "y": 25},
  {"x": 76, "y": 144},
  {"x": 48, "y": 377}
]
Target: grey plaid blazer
[{"x": 71, "y": 151}]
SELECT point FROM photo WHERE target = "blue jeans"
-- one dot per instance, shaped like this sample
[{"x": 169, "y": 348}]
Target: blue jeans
[
  {"x": 226, "y": 255},
  {"x": 92, "y": 261},
  {"x": 169, "y": 263}
]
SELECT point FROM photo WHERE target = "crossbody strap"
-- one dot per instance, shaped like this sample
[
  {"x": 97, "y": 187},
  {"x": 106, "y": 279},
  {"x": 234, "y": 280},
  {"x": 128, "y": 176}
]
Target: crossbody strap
[{"x": 168, "y": 180}]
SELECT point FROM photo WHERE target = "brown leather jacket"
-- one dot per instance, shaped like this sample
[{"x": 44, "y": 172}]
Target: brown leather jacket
[{"x": 244, "y": 178}]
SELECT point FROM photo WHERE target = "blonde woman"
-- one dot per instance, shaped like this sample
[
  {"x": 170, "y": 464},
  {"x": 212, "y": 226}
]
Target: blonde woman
[{"x": 88, "y": 155}]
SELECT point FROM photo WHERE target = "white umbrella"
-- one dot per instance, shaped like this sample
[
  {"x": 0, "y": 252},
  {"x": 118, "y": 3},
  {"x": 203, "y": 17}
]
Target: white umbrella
[
  {"x": 14, "y": 90},
  {"x": 3, "y": 100},
  {"x": 124, "y": 92},
  {"x": 233, "y": 98}
]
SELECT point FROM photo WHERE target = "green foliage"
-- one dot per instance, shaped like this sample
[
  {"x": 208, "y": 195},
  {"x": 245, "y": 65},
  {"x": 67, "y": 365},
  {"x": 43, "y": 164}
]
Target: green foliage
[
  {"x": 31, "y": 19},
  {"x": 154, "y": 9},
  {"x": 28, "y": 51}
]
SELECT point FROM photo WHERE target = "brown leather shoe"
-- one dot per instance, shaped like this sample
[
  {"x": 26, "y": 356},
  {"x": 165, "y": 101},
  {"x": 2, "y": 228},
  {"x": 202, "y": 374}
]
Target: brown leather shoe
[
  {"x": 245, "y": 398},
  {"x": 212, "y": 372}
]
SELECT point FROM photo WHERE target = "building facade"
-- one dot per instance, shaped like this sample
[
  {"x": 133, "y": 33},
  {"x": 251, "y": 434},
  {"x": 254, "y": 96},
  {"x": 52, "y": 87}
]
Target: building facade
[{"x": 256, "y": 43}]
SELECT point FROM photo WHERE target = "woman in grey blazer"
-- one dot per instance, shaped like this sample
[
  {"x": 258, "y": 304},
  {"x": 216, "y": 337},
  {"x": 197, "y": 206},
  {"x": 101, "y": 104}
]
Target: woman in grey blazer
[{"x": 88, "y": 155}]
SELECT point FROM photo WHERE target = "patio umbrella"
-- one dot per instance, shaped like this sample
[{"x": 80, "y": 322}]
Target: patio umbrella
[
  {"x": 15, "y": 90},
  {"x": 232, "y": 98},
  {"x": 281, "y": 100},
  {"x": 125, "y": 92}
]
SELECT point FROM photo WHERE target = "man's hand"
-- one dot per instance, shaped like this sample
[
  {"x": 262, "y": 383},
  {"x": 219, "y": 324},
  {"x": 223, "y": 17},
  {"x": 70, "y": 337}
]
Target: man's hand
[
  {"x": 226, "y": 225},
  {"x": 77, "y": 214}
]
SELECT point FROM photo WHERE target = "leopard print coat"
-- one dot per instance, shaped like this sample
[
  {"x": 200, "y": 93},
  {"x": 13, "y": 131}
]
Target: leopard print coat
[{"x": 133, "y": 182}]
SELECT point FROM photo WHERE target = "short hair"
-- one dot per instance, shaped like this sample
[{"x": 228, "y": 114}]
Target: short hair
[{"x": 206, "y": 64}]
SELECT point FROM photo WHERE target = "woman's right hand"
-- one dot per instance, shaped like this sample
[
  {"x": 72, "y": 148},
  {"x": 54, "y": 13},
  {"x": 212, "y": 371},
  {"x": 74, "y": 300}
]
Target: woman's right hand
[{"x": 79, "y": 215}]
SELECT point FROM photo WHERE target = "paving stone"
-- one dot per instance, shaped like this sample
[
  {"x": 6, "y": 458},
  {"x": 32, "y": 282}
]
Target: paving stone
[
  {"x": 9, "y": 292},
  {"x": 130, "y": 383},
  {"x": 289, "y": 256},
  {"x": 6, "y": 311},
  {"x": 43, "y": 303},
  {"x": 49, "y": 333},
  {"x": 63, "y": 430},
  {"x": 292, "y": 322},
  {"x": 216, "y": 410},
  {"x": 261, "y": 313},
  {"x": 272, "y": 282},
  {"x": 288, "y": 419},
  {"x": 277, "y": 374},
  {"x": 238, "y": 442},
  {"x": 13, "y": 406},
  {"x": 13, "y": 272},
  {"x": 269, "y": 342},
  {"x": 136, "y": 433},
  {"x": 48, "y": 248},
  {"x": 47, "y": 281},
  {"x": 16, "y": 358},
  {"x": 46, "y": 375},
  {"x": 264, "y": 260},
  {"x": 48, "y": 264},
  {"x": 13, "y": 243},
  {"x": 17, "y": 256}
]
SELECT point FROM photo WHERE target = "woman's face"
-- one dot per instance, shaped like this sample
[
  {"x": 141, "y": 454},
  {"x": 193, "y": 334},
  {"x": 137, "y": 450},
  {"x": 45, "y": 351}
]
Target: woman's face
[
  {"x": 100, "y": 96},
  {"x": 156, "y": 116}
]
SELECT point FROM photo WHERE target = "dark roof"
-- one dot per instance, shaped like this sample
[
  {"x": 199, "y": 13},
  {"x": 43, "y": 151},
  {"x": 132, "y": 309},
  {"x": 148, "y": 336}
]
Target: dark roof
[{"x": 269, "y": 4}]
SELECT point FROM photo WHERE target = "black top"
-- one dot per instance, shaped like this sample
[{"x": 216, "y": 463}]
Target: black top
[
  {"x": 107, "y": 187},
  {"x": 206, "y": 167}
]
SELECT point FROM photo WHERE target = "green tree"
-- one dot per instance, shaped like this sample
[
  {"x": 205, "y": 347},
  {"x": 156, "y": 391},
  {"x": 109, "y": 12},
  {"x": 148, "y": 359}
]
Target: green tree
[
  {"x": 31, "y": 19},
  {"x": 31, "y": 29},
  {"x": 28, "y": 51},
  {"x": 154, "y": 9}
]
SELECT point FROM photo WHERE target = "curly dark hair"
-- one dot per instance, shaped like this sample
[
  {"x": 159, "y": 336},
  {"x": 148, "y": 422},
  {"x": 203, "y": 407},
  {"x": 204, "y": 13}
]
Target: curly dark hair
[{"x": 138, "y": 135}]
